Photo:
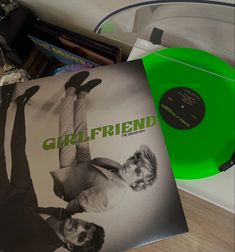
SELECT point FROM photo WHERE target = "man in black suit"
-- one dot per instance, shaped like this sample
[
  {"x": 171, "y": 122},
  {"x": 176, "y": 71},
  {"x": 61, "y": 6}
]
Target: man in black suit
[{"x": 24, "y": 226}]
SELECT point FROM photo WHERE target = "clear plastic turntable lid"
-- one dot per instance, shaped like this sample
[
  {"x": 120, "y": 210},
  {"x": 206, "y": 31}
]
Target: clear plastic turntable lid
[{"x": 207, "y": 25}]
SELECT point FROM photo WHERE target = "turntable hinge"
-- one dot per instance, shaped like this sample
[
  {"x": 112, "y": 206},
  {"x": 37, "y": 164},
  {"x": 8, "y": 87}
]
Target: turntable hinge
[{"x": 228, "y": 164}]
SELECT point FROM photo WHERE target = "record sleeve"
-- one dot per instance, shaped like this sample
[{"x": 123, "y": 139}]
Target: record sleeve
[{"x": 84, "y": 164}]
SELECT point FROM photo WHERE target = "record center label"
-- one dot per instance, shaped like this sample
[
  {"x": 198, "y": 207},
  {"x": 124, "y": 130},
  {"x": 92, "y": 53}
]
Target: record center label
[{"x": 182, "y": 108}]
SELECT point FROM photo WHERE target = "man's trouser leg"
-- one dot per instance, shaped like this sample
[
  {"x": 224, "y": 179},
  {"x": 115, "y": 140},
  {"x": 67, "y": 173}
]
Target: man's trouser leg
[
  {"x": 4, "y": 181},
  {"x": 80, "y": 128},
  {"x": 67, "y": 152},
  {"x": 20, "y": 174},
  {"x": 73, "y": 127}
]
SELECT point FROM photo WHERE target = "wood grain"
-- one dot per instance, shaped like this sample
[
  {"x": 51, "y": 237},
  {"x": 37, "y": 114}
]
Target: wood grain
[{"x": 211, "y": 229}]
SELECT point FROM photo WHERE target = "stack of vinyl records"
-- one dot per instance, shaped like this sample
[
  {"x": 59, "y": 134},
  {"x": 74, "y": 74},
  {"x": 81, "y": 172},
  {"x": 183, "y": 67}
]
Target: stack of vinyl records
[{"x": 56, "y": 47}]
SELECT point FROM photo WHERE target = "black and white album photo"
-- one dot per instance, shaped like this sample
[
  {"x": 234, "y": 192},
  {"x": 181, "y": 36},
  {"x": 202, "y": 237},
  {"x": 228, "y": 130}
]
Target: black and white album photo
[{"x": 83, "y": 164}]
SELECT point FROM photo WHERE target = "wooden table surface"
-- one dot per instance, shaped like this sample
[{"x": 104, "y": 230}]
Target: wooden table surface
[{"x": 211, "y": 229}]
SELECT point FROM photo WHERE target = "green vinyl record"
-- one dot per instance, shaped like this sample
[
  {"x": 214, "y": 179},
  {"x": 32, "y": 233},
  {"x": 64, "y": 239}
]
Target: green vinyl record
[{"x": 193, "y": 92}]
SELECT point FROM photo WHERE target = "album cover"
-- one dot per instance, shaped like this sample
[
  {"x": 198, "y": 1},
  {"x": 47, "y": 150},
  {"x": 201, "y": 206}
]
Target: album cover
[
  {"x": 69, "y": 46},
  {"x": 84, "y": 166},
  {"x": 65, "y": 57}
]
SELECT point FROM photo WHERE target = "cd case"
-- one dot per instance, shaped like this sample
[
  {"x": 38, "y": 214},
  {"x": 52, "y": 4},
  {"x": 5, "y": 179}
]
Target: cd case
[{"x": 84, "y": 166}]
